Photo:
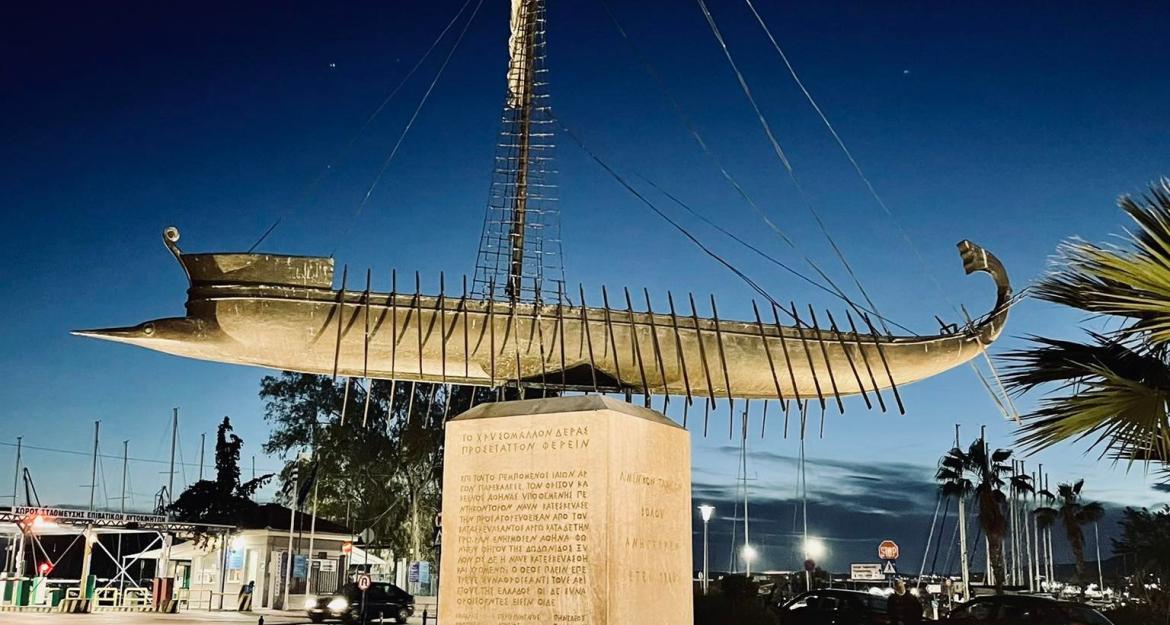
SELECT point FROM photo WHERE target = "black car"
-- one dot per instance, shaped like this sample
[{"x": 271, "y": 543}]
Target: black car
[
  {"x": 834, "y": 607},
  {"x": 1024, "y": 610},
  {"x": 382, "y": 600}
]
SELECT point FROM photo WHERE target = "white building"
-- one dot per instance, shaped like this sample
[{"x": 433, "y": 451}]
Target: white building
[{"x": 258, "y": 554}]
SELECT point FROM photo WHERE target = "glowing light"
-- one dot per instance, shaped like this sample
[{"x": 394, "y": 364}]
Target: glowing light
[
  {"x": 310, "y": 602},
  {"x": 706, "y": 511},
  {"x": 338, "y": 604},
  {"x": 814, "y": 548},
  {"x": 749, "y": 553}
]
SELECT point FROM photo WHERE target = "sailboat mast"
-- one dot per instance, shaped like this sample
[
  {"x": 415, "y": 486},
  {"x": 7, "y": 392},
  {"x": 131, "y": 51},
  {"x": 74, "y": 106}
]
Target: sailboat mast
[
  {"x": 523, "y": 66},
  {"x": 520, "y": 244}
]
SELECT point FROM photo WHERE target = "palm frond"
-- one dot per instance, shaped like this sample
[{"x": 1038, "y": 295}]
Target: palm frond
[
  {"x": 1022, "y": 483},
  {"x": 1000, "y": 455},
  {"x": 1130, "y": 281},
  {"x": 1045, "y": 517},
  {"x": 1090, "y": 513},
  {"x": 947, "y": 474},
  {"x": 1071, "y": 362},
  {"x": 956, "y": 488},
  {"x": 1125, "y": 415}
]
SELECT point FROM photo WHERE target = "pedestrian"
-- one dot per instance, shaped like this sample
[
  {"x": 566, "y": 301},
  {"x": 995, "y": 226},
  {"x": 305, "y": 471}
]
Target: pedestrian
[
  {"x": 903, "y": 607},
  {"x": 245, "y": 597}
]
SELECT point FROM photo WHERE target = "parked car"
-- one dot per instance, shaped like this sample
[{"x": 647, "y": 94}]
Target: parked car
[
  {"x": 1024, "y": 610},
  {"x": 834, "y": 607},
  {"x": 382, "y": 600}
]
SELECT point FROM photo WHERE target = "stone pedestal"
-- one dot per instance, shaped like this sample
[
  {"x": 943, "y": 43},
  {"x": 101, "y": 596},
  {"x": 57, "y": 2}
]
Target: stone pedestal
[{"x": 572, "y": 510}]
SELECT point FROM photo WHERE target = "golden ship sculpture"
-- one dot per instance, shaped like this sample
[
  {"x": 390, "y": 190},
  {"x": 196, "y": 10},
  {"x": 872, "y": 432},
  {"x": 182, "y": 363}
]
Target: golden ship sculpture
[{"x": 282, "y": 312}]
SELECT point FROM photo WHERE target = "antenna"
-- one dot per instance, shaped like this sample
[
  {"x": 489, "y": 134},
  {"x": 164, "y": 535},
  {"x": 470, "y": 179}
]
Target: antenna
[{"x": 520, "y": 243}]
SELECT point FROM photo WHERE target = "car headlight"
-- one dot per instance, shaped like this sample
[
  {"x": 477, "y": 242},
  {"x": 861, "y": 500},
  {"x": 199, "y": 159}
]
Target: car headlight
[
  {"x": 310, "y": 603},
  {"x": 337, "y": 604}
]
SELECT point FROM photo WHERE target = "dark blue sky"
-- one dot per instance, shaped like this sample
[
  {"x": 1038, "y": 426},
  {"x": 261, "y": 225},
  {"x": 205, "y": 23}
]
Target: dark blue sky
[{"x": 1013, "y": 124}]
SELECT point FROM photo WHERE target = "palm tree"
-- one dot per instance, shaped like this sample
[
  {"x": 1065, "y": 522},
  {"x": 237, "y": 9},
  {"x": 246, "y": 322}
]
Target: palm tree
[
  {"x": 1072, "y": 514},
  {"x": 1113, "y": 386},
  {"x": 979, "y": 473}
]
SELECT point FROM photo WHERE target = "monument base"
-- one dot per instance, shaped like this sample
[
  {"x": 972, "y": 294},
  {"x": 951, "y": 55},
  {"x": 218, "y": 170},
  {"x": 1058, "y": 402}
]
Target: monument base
[{"x": 570, "y": 510}]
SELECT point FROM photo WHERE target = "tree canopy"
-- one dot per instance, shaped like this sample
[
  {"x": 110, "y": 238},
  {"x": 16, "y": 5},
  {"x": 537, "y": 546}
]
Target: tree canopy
[
  {"x": 223, "y": 500},
  {"x": 379, "y": 468}
]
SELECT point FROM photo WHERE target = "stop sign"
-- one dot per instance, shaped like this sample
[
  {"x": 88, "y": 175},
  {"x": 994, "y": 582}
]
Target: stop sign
[
  {"x": 888, "y": 550},
  {"x": 810, "y": 566}
]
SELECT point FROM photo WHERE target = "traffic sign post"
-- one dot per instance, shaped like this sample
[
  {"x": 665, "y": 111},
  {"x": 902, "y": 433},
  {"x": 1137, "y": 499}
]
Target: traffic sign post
[
  {"x": 363, "y": 584},
  {"x": 888, "y": 550}
]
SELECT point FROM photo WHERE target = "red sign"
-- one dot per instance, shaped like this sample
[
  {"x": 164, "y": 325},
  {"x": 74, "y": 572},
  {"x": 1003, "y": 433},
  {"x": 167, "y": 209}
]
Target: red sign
[
  {"x": 347, "y": 547},
  {"x": 888, "y": 550},
  {"x": 810, "y": 566},
  {"x": 363, "y": 582}
]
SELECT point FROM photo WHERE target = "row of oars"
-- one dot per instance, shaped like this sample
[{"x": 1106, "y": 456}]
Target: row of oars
[{"x": 546, "y": 384}]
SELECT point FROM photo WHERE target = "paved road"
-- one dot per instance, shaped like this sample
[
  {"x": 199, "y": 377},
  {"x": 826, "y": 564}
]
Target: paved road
[{"x": 139, "y": 618}]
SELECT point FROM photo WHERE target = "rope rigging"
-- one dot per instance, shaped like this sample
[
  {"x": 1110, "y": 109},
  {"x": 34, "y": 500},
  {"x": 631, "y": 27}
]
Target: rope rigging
[
  {"x": 1006, "y": 405},
  {"x": 686, "y": 233},
  {"x": 409, "y": 124},
  {"x": 768, "y": 257},
  {"x": 780, "y": 154},
  {"x": 344, "y": 152},
  {"x": 692, "y": 129}
]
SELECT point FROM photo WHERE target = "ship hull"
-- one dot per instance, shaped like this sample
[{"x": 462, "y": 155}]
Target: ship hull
[{"x": 280, "y": 312}]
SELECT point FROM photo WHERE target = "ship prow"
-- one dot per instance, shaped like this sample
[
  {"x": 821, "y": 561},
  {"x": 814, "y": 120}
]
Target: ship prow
[{"x": 282, "y": 312}]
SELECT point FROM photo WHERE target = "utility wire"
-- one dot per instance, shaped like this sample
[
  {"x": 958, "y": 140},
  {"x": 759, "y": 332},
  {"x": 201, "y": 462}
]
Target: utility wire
[
  {"x": 344, "y": 152},
  {"x": 89, "y": 454},
  {"x": 686, "y": 233},
  {"x": 409, "y": 124},
  {"x": 1005, "y": 405},
  {"x": 767, "y": 256},
  {"x": 731, "y": 180},
  {"x": 784, "y": 157}
]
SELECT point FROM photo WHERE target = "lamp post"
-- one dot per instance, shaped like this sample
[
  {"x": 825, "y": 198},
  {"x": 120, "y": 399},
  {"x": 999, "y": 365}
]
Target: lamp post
[{"x": 706, "y": 511}]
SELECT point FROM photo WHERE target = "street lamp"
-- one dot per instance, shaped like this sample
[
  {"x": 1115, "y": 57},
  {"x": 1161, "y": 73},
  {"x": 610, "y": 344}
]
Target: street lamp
[
  {"x": 814, "y": 548},
  {"x": 706, "y": 511},
  {"x": 749, "y": 554}
]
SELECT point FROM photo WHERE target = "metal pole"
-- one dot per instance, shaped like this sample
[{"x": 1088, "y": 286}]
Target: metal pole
[
  {"x": 1015, "y": 568},
  {"x": 1025, "y": 514},
  {"x": 312, "y": 536},
  {"x": 164, "y": 561},
  {"x": 122, "y": 509},
  {"x": 1036, "y": 530},
  {"x": 748, "y": 553},
  {"x": 15, "y": 494},
  {"x": 804, "y": 509},
  {"x": 202, "y": 440},
  {"x": 93, "y": 473},
  {"x": 706, "y": 560},
  {"x": 16, "y": 475},
  {"x": 1100, "y": 571},
  {"x": 966, "y": 573},
  {"x": 171, "y": 472},
  {"x": 1051, "y": 555},
  {"x": 292, "y": 517}
]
